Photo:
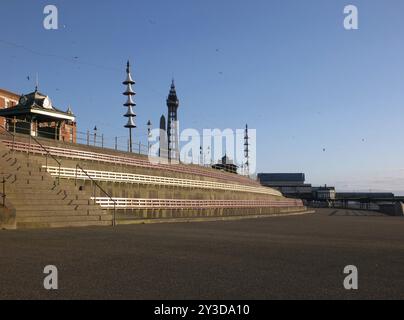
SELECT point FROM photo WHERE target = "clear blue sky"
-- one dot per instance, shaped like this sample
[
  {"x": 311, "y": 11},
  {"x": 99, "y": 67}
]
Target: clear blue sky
[{"x": 288, "y": 68}]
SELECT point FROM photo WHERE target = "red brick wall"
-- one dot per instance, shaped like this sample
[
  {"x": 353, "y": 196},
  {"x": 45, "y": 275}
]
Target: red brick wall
[
  {"x": 11, "y": 102},
  {"x": 69, "y": 132}
]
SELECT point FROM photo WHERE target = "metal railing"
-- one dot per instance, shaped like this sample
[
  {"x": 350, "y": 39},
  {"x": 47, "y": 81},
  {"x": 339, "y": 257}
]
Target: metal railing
[
  {"x": 28, "y": 150},
  {"x": 10, "y": 134},
  {"x": 3, "y": 194},
  {"x": 95, "y": 184},
  {"x": 48, "y": 153},
  {"x": 133, "y": 161},
  {"x": 96, "y": 139},
  {"x": 124, "y": 177},
  {"x": 134, "y": 203}
]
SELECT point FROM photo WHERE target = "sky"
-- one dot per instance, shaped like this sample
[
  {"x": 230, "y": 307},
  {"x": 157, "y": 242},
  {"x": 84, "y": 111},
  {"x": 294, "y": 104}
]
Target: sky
[{"x": 324, "y": 100}]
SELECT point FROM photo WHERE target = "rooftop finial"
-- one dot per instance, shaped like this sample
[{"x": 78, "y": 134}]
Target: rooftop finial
[
  {"x": 172, "y": 89},
  {"x": 36, "y": 82},
  {"x": 128, "y": 67}
]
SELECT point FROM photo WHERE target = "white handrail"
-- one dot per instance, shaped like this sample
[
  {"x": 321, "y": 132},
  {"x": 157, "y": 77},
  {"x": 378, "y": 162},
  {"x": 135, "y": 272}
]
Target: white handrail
[
  {"x": 72, "y": 173},
  {"x": 135, "y": 203}
]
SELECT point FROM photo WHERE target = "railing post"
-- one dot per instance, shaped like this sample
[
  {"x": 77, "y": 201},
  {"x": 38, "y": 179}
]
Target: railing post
[
  {"x": 116, "y": 143},
  {"x": 95, "y": 201},
  {"x": 4, "y": 192},
  {"x": 102, "y": 141},
  {"x": 59, "y": 175},
  {"x": 88, "y": 137},
  {"x": 114, "y": 217},
  {"x": 29, "y": 145}
]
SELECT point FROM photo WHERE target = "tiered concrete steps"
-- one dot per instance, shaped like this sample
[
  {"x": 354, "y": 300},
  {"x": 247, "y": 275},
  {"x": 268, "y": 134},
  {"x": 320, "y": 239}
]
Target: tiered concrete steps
[{"x": 39, "y": 200}]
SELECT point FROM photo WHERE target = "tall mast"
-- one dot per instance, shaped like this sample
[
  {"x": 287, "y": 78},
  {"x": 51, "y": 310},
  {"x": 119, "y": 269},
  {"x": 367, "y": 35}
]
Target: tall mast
[
  {"x": 130, "y": 104},
  {"x": 247, "y": 150}
]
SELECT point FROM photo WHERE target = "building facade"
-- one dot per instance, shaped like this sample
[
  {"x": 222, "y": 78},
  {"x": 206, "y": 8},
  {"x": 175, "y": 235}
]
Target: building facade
[
  {"x": 34, "y": 114},
  {"x": 8, "y": 99},
  {"x": 293, "y": 185}
]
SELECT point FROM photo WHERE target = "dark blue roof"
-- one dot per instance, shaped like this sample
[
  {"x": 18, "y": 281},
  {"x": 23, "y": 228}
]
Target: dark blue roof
[{"x": 287, "y": 177}]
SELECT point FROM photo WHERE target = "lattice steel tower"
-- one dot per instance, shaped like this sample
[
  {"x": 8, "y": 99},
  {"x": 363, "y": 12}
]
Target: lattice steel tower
[
  {"x": 172, "y": 125},
  {"x": 247, "y": 150}
]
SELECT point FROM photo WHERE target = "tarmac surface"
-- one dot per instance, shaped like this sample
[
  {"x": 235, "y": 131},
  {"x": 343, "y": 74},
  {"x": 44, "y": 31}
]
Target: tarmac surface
[{"x": 290, "y": 257}]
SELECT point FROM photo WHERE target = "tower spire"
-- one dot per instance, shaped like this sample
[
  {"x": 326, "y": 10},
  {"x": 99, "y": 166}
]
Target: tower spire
[
  {"x": 172, "y": 124},
  {"x": 130, "y": 103}
]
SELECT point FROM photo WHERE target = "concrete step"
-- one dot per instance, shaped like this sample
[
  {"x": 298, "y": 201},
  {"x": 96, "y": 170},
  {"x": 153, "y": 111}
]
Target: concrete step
[
  {"x": 45, "y": 180},
  {"x": 27, "y": 195},
  {"x": 62, "y": 218},
  {"x": 18, "y": 167},
  {"x": 24, "y": 206},
  {"x": 30, "y": 189},
  {"x": 58, "y": 201},
  {"x": 62, "y": 212},
  {"x": 40, "y": 225},
  {"x": 45, "y": 196}
]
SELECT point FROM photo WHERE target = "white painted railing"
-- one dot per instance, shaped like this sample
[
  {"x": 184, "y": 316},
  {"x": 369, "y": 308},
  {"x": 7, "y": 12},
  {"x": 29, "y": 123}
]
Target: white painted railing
[
  {"x": 131, "y": 203},
  {"x": 122, "y": 177}
]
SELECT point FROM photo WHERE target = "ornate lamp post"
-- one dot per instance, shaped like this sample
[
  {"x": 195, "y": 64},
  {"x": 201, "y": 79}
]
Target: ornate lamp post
[
  {"x": 95, "y": 135},
  {"x": 130, "y": 114}
]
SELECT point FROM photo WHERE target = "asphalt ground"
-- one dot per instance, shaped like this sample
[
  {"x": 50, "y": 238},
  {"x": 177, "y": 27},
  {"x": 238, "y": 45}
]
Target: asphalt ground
[{"x": 290, "y": 257}]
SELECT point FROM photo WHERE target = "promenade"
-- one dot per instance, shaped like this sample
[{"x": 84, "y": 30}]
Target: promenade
[{"x": 291, "y": 257}]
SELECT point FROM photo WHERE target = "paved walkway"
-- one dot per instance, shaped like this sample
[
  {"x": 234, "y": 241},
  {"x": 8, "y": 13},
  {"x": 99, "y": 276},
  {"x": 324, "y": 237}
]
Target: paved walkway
[{"x": 270, "y": 258}]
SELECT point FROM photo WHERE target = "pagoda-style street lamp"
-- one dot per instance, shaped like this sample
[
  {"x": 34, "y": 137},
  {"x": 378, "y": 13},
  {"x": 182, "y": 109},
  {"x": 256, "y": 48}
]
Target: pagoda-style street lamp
[{"x": 130, "y": 104}]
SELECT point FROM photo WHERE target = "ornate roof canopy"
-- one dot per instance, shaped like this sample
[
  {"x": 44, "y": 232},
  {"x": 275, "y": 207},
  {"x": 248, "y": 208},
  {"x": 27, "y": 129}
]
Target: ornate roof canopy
[{"x": 39, "y": 106}]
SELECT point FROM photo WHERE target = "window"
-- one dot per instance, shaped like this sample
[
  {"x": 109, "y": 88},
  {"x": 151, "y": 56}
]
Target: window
[{"x": 9, "y": 103}]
